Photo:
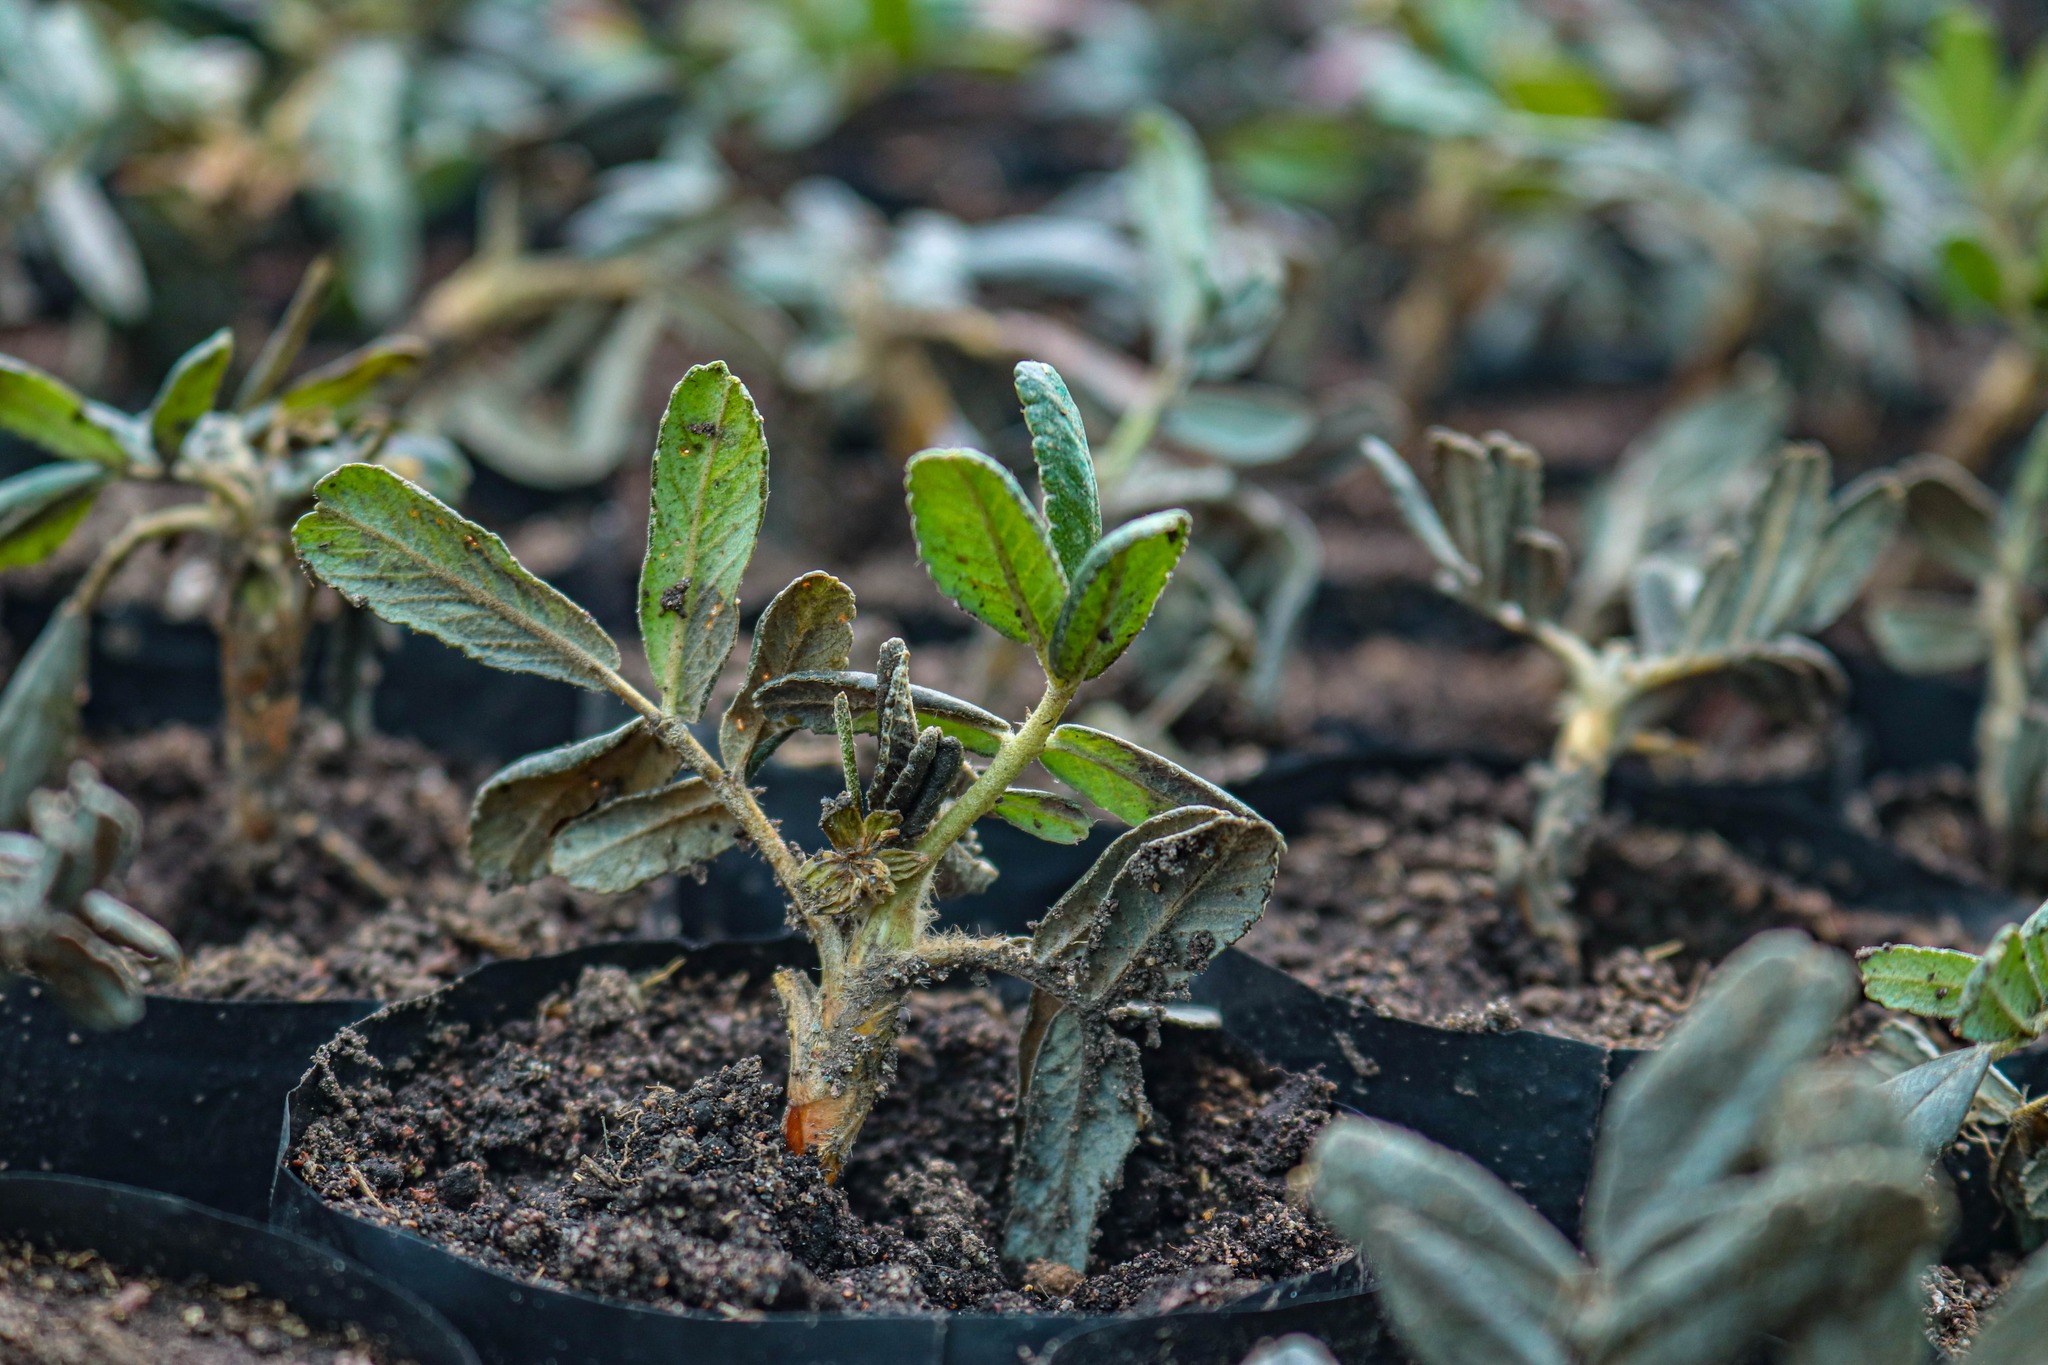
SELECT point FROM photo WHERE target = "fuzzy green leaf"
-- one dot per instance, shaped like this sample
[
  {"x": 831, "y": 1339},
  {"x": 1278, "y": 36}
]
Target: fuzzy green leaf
[
  {"x": 392, "y": 547},
  {"x": 1078, "y": 1121},
  {"x": 188, "y": 393},
  {"x": 1660, "y": 593},
  {"x": 804, "y": 700},
  {"x": 634, "y": 839},
  {"x": 1934, "y": 1098},
  {"x": 1922, "y": 981},
  {"x": 1953, "y": 517},
  {"x": 340, "y": 386},
  {"x": 1129, "y": 782},
  {"x": 985, "y": 545},
  {"x": 1242, "y": 424},
  {"x": 1860, "y": 528},
  {"x": 1114, "y": 593},
  {"x": 1052, "y": 818},
  {"x": 517, "y": 812},
  {"x": 39, "y": 709},
  {"x": 1066, "y": 471},
  {"x": 2001, "y": 1001},
  {"x": 710, "y": 490},
  {"x": 1927, "y": 633},
  {"x": 1468, "y": 1270},
  {"x": 808, "y": 628},
  {"x": 1685, "y": 1116},
  {"x": 40, "y": 508},
  {"x": 1412, "y": 502},
  {"x": 1781, "y": 541},
  {"x": 48, "y": 413}
]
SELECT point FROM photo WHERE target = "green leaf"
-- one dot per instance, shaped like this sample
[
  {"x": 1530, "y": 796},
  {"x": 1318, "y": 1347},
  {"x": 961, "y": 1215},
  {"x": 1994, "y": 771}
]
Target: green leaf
[
  {"x": 985, "y": 545},
  {"x": 1969, "y": 272},
  {"x": 358, "y": 140},
  {"x": 1923, "y": 981},
  {"x": 2001, "y": 1001},
  {"x": 1129, "y": 782},
  {"x": 1066, "y": 471},
  {"x": 513, "y": 822},
  {"x": 1660, "y": 592},
  {"x": 39, "y": 509},
  {"x": 1169, "y": 201},
  {"x": 340, "y": 386},
  {"x": 808, "y": 628},
  {"x": 1927, "y": 633},
  {"x": 92, "y": 244},
  {"x": 1114, "y": 592},
  {"x": 804, "y": 700},
  {"x": 387, "y": 545},
  {"x": 1781, "y": 540},
  {"x": 634, "y": 839},
  {"x": 1043, "y": 814},
  {"x": 1413, "y": 503},
  {"x": 1860, "y": 529},
  {"x": 1078, "y": 1121},
  {"x": 39, "y": 709},
  {"x": 710, "y": 490},
  {"x": 1934, "y": 1098},
  {"x": 1158, "y": 905},
  {"x": 427, "y": 459},
  {"x": 1242, "y": 424},
  {"x": 1468, "y": 1271},
  {"x": 188, "y": 393},
  {"x": 1684, "y": 1117},
  {"x": 45, "y": 412},
  {"x": 1953, "y": 516}
]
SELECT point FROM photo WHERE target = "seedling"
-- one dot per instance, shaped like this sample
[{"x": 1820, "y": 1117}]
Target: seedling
[
  {"x": 254, "y": 466},
  {"x": 1793, "y": 564},
  {"x": 1999, "y": 544},
  {"x": 650, "y": 798},
  {"x": 57, "y": 920},
  {"x": 1742, "y": 1188}
]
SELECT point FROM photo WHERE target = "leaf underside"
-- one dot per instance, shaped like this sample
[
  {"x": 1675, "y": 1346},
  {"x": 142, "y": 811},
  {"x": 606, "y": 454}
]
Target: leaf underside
[
  {"x": 1079, "y": 1121},
  {"x": 516, "y": 814},
  {"x": 807, "y": 628},
  {"x": 39, "y": 709},
  {"x": 633, "y": 839}
]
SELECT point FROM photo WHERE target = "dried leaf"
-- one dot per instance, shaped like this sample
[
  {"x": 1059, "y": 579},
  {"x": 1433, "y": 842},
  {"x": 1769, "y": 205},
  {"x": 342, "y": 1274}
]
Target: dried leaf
[
  {"x": 518, "y": 811},
  {"x": 804, "y": 700}
]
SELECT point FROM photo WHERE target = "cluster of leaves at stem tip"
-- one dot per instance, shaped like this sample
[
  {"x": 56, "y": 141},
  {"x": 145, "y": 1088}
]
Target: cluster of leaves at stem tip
[
  {"x": 1744, "y": 1187},
  {"x": 253, "y": 466},
  {"x": 1189, "y": 877},
  {"x": 1736, "y": 611},
  {"x": 1998, "y": 545}
]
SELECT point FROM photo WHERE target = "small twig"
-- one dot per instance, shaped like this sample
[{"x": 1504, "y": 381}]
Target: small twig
[
  {"x": 351, "y": 856},
  {"x": 355, "y": 1174}
]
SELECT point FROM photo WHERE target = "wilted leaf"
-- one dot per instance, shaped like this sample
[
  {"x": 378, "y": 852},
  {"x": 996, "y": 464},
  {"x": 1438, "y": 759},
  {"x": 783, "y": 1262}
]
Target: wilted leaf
[
  {"x": 805, "y": 700},
  {"x": 1114, "y": 592},
  {"x": 808, "y": 628},
  {"x": 710, "y": 490},
  {"x": 1927, "y": 633},
  {"x": 1066, "y": 471},
  {"x": 517, "y": 812},
  {"x": 1079, "y": 1119},
  {"x": 188, "y": 393},
  {"x": 1049, "y": 817},
  {"x": 340, "y": 386},
  {"x": 47, "y": 413},
  {"x": 985, "y": 545},
  {"x": 1129, "y": 782},
  {"x": 1923, "y": 981},
  {"x": 387, "y": 545},
  {"x": 40, "y": 508},
  {"x": 39, "y": 709},
  {"x": 1934, "y": 1098},
  {"x": 634, "y": 839}
]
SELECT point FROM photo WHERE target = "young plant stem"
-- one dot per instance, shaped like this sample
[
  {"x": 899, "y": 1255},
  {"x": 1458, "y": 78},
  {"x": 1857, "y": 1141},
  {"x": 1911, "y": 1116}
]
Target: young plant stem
[
  {"x": 1140, "y": 422},
  {"x": 171, "y": 521},
  {"x": 262, "y": 661}
]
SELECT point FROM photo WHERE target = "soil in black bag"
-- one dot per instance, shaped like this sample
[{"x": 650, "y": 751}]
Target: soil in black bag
[
  {"x": 1389, "y": 900},
  {"x": 627, "y": 1141},
  {"x": 70, "y": 1307}
]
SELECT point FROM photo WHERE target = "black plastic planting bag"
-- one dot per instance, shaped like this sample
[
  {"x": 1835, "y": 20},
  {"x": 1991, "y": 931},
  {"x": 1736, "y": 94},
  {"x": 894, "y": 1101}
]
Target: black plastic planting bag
[
  {"x": 186, "y": 1102},
  {"x": 141, "y": 1231},
  {"x": 512, "y": 1322}
]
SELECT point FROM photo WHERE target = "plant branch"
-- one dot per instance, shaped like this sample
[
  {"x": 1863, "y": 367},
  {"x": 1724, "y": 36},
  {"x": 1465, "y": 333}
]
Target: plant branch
[
  {"x": 171, "y": 521},
  {"x": 1019, "y": 751}
]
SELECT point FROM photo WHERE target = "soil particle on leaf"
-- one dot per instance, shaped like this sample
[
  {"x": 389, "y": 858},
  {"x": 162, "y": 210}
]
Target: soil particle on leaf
[
  {"x": 1390, "y": 901},
  {"x": 627, "y": 1141},
  {"x": 368, "y": 895},
  {"x": 72, "y": 1308}
]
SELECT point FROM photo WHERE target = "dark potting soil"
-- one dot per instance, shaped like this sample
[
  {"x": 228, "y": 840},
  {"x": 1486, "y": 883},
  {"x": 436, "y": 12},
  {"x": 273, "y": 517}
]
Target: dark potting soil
[
  {"x": 369, "y": 896},
  {"x": 1390, "y": 901},
  {"x": 627, "y": 1141},
  {"x": 72, "y": 1308},
  {"x": 1931, "y": 817}
]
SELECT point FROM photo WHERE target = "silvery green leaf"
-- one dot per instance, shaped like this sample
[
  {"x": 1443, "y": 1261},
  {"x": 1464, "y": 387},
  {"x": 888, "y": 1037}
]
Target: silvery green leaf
[
  {"x": 357, "y": 140},
  {"x": 807, "y": 628},
  {"x": 1130, "y": 783},
  {"x": 1865, "y": 516},
  {"x": 633, "y": 839},
  {"x": 805, "y": 700},
  {"x": 1415, "y": 507},
  {"x": 1079, "y": 1118},
  {"x": 516, "y": 813},
  {"x": 1049, "y": 817},
  {"x": 1661, "y": 593},
  {"x": 1468, "y": 1270},
  {"x": 1066, "y": 471},
  {"x": 1706, "y": 624},
  {"x": 1779, "y": 544},
  {"x": 427, "y": 459},
  {"x": 1934, "y": 1098},
  {"x": 339, "y": 386},
  {"x": 1538, "y": 573},
  {"x": 1953, "y": 517},
  {"x": 387, "y": 545},
  {"x": 40, "y": 508},
  {"x": 1169, "y": 200},
  {"x": 1474, "y": 509},
  {"x": 189, "y": 392},
  {"x": 93, "y": 244},
  {"x": 39, "y": 708},
  {"x": 1927, "y": 633},
  {"x": 1687, "y": 1115},
  {"x": 606, "y": 407},
  {"x": 1243, "y": 424},
  {"x": 1114, "y": 591},
  {"x": 710, "y": 492}
]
